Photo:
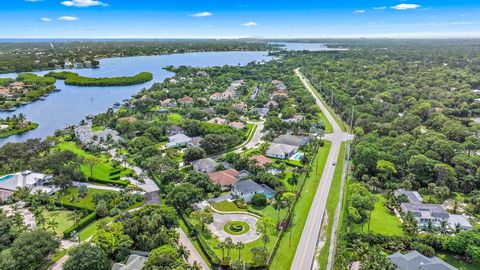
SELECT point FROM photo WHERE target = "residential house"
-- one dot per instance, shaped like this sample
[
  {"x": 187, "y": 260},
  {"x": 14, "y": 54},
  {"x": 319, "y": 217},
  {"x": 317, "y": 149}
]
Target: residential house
[
  {"x": 229, "y": 94},
  {"x": 237, "y": 125},
  {"x": 244, "y": 174},
  {"x": 272, "y": 104},
  {"x": 246, "y": 189},
  {"x": 35, "y": 181},
  {"x": 261, "y": 111},
  {"x": 292, "y": 140},
  {"x": 460, "y": 221},
  {"x": 412, "y": 196},
  {"x": 178, "y": 140},
  {"x": 279, "y": 85},
  {"x": 281, "y": 151},
  {"x": 217, "y": 96},
  {"x": 205, "y": 165},
  {"x": 174, "y": 130},
  {"x": 225, "y": 178},
  {"x": 134, "y": 262},
  {"x": 186, "y": 100},
  {"x": 294, "y": 119},
  {"x": 168, "y": 103},
  {"x": 2, "y": 127},
  {"x": 87, "y": 136},
  {"x": 241, "y": 106},
  {"x": 279, "y": 94},
  {"x": 414, "y": 260},
  {"x": 261, "y": 161},
  {"x": 217, "y": 120}
]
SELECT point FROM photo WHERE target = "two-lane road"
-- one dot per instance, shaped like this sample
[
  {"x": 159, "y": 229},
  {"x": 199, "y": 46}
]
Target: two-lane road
[{"x": 305, "y": 253}]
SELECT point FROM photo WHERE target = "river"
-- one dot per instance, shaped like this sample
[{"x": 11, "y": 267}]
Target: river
[{"x": 73, "y": 103}]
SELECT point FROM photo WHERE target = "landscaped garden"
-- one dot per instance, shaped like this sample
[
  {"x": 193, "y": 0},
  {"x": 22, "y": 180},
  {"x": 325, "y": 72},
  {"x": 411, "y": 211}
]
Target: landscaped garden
[
  {"x": 236, "y": 227},
  {"x": 61, "y": 219}
]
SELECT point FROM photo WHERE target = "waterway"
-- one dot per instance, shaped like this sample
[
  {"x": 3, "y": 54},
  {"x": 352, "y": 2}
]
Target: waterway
[{"x": 73, "y": 103}]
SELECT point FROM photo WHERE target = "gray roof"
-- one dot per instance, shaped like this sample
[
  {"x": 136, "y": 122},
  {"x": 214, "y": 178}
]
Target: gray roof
[
  {"x": 205, "y": 165},
  {"x": 261, "y": 111},
  {"x": 292, "y": 140},
  {"x": 134, "y": 262},
  {"x": 453, "y": 220},
  {"x": 247, "y": 186},
  {"x": 416, "y": 261},
  {"x": 280, "y": 149},
  {"x": 243, "y": 174},
  {"x": 413, "y": 196},
  {"x": 425, "y": 210}
]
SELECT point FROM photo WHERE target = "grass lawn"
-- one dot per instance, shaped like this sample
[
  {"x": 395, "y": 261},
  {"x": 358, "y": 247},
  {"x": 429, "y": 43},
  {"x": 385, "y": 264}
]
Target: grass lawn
[
  {"x": 63, "y": 218},
  {"x": 286, "y": 251},
  {"x": 86, "y": 202},
  {"x": 91, "y": 229},
  {"x": 382, "y": 221},
  {"x": 461, "y": 265},
  {"x": 98, "y": 128},
  {"x": 236, "y": 227},
  {"x": 328, "y": 126},
  {"x": 184, "y": 227},
  {"x": 175, "y": 119},
  {"x": 332, "y": 203},
  {"x": 101, "y": 170},
  {"x": 226, "y": 206}
]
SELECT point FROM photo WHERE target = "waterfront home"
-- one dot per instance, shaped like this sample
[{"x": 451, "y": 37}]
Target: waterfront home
[
  {"x": 178, "y": 140},
  {"x": 414, "y": 260},
  {"x": 292, "y": 140},
  {"x": 205, "y": 165},
  {"x": 186, "y": 100},
  {"x": 246, "y": 189},
  {"x": 225, "y": 178},
  {"x": 134, "y": 262},
  {"x": 35, "y": 181},
  {"x": 2, "y": 127},
  {"x": 281, "y": 151}
]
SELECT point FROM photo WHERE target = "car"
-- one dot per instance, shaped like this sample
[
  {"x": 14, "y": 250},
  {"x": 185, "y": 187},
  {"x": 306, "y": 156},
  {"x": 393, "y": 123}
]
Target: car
[{"x": 334, "y": 163}]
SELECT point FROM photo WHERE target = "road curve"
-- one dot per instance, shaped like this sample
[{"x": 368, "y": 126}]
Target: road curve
[{"x": 305, "y": 252}]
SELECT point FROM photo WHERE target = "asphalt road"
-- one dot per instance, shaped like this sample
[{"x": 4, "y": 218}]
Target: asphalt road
[{"x": 305, "y": 253}]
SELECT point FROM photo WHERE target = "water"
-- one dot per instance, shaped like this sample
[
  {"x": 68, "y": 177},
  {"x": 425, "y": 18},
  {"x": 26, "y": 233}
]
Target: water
[
  {"x": 297, "y": 156},
  {"x": 6, "y": 177},
  {"x": 304, "y": 46},
  {"x": 73, "y": 103}
]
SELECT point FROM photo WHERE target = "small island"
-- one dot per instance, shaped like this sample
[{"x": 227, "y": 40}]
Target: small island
[
  {"x": 15, "y": 125},
  {"x": 72, "y": 78}
]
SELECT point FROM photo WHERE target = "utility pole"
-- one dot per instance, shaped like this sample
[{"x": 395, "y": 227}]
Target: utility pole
[{"x": 351, "y": 118}]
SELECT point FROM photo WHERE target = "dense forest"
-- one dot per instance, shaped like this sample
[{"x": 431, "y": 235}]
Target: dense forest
[{"x": 72, "y": 78}]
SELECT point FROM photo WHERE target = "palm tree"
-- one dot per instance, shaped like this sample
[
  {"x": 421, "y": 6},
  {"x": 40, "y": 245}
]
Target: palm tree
[
  {"x": 429, "y": 226},
  {"x": 239, "y": 246},
  {"x": 229, "y": 245},
  {"x": 52, "y": 224},
  {"x": 293, "y": 180},
  {"x": 263, "y": 226},
  {"x": 41, "y": 220},
  {"x": 256, "y": 252},
  {"x": 443, "y": 227},
  {"x": 221, "y": 246},
  {"x": 183, "y": 251},
  {"x": 196, "y": 266}
]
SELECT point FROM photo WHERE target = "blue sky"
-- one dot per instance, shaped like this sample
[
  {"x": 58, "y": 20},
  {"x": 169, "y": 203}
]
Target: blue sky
[{"x": 238, "y": 18}]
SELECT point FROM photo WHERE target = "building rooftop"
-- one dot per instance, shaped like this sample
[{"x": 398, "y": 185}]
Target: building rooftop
[
  {"x": 413, "y": 196},
  {"x": 453, "y": 220},
  {"x": 425, "y": 210},
  {"x": 280, "y": 149},
  {"x": 291, "y": 140},
  {"x": 225, "y": 177},
  {"x": 205, "y": 165},
  {"x": 247, "y": 186},
  {"x": 134, "y": 262},
  {"x": 417, "y": 261}
]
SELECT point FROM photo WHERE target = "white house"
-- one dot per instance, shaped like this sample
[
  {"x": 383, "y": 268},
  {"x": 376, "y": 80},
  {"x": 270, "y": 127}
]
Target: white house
[
  {"x": 246, "y": 189},
  {"x": 282, "y": 151},
  {"x": 178, "y": 140},
  {"x": 36, "y": 181}
]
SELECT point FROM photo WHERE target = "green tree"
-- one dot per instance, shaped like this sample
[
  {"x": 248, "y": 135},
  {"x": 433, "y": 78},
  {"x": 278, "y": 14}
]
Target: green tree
[
  {"x": 87, "y": 257},
  {"x": 164, "y": 257}
]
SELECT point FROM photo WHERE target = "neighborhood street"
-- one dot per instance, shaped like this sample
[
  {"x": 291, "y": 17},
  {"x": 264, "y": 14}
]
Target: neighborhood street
[{"x": 305, "y": 253}]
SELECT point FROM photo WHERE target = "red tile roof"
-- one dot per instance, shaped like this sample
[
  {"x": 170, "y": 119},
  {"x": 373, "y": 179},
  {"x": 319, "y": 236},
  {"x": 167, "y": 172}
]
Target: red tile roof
[
  {"x": 224, "y": 178},
  {"x": 261, "y": 161}
]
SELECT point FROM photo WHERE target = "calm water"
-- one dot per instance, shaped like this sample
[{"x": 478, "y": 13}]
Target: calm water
[{"x": 73, "y": 103}]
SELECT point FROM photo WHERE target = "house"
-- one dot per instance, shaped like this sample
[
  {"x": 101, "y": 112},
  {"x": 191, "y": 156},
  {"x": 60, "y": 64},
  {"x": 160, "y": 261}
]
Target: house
[
  {"x": 282, "y": 151},
  {"x": 134, "y": 262},
  {"x": 196, "y": 141},
  {"x": 225, "y": 178},
  {"x": 205, "y": 165},
  {"x": 425, "y": 212},
  {"x": 279, "y": 94},
  {"x": 412, "y": 196},
  {"x": 186, "y": 100},
  {"x": 414, "y": 260},
  {"x": 229, "y": 94},
  {"x": 35, "y": 181},
  {"x": 241, "y": 106},
  {"x": 178, "y": 140},
  {"x": 261, "y": 161},
  {"x": 237, "y": 125},
  {"x": 246, "y": 189},
  {"x": 272, "y": 104},
  {"x": 261, "y": 111},
  {"x": 294, "y": 119},
  {"x": 87, "y": 136},
  {"x": 292, "y": 140},
  {"x": 168, "y": 103},
  {"x": 217, "y": 120},
  {"x": 460, "y": 221},
  {"x": 279, "y": 85},
  {"x": 217, "y": 96},
  {"x": 174, "y": 130},
  {"x": 244, "y": 174}
]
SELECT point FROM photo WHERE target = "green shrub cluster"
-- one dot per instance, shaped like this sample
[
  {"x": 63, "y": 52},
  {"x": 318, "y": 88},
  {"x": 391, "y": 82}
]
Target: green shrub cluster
[
  {"x": 211, "y": 255},
  {"x": 113, "y": 182},
  {"x": 30, "y": 78},
  {"x": 72, "y": 78},
  {"x": 80, "y": 225}
]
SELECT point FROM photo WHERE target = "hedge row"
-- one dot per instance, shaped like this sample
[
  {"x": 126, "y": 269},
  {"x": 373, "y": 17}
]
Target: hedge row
[
  {"x": 80, "y": 225},
  {"x": 119, "y": 183},
  {"x": 211, "y": 255}
]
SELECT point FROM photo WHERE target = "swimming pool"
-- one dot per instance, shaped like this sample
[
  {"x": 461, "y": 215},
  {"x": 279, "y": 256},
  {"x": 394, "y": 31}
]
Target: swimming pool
[
  {"x": 6, "y": 177},
  {"x": 267, "y": 191},
  {"x": 297, "y": 156},
  {"x": 274, "y": 171}
]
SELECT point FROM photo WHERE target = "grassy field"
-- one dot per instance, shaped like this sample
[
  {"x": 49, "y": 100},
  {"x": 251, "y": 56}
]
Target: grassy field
[
  {"x": 226, "y": 206},
  {"x": 63, "y": 218},
  {"x": 91, "y": 229},
  {"x": 328, "y": 126},
  {"x": 101, "y": 170},
  {"x": 461, "y": 265},
  {"x": 286, "y": 251},
  {"x": 86, "y": 202},
  {"x": 382, "y": 221},
  {"x": 332, "y": 202}
]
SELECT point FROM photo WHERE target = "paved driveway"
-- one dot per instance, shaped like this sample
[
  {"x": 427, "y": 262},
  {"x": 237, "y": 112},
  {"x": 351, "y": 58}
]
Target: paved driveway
[{"x": 219, "y": 221}]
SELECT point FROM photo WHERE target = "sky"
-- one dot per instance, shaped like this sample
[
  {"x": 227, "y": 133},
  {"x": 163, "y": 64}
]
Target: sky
[{"x": 238, "y": 18}]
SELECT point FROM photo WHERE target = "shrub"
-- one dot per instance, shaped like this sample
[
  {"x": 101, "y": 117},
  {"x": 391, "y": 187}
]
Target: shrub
[
  {"x": 259, "y": 199},
  {"x": 82, "y": 191},
  {"x": 80, "y": 225},
  {"x": 114, "y": 211},
  {"x": 102, "y": 209}
]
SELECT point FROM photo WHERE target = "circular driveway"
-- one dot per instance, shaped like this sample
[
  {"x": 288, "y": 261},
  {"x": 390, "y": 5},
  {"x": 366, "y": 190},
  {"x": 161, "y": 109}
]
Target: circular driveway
[{"x": 219, "y": 221}]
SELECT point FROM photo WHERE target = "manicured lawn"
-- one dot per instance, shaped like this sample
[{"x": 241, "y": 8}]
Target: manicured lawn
[
  {"x": 91, "y": 229},
  {"x": 236, "y": 227},
  {"x": 184, "y": 227},
  {"x": 332, "y": 203},
  {"x": 461, "y": 265},
  {"x": 63, "y": 218},
  {"x": 286, "y": 251},
  {"x": 86, "y": 202},
  {"x": 175, "y": 119},
  {"x": 101, "y": 170},
  {"x": 226, "y": 206},
  {"x": 328, "y": 126},
  {"x": 382, "y": 221}
]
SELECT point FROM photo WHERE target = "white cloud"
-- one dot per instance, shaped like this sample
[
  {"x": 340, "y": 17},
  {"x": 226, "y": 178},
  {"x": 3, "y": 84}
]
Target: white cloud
[
  {"x": 250, "y": 24},
  {"x": 406, "y": 6},
  {"x": 45, "y": 19},
  {"x": 202, "y": 14},
  {"x": 462, "y": 23},
  {"x": 379, "y": 8},
  {"x": 83, "y": 3},
  {"x": 67, "y": 18},
  {"x": 359, "y": 11}
]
